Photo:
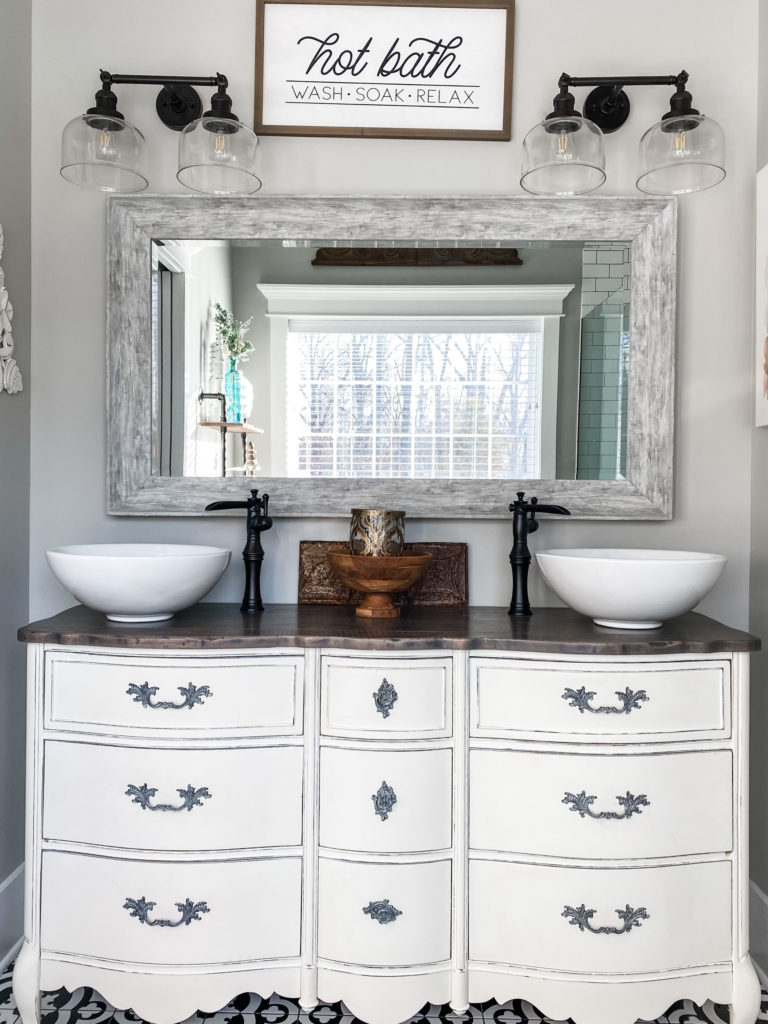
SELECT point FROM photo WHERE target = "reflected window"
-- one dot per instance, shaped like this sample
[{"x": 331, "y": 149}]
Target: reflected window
[{"x": 415, "y": 403}]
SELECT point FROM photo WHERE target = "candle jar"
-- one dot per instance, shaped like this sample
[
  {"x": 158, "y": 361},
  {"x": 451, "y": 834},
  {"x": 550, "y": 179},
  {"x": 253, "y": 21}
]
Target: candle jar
[{"x": 376, "y": 531}]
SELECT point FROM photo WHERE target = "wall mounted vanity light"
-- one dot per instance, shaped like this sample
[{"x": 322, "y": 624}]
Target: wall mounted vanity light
[
  {"x": 564, "y": 154},
  {"x": 217, "y": 153}
]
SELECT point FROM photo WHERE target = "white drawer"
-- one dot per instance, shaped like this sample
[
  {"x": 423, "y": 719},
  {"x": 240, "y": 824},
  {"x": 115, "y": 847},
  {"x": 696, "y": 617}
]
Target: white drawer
[
  {"x": 621, "y": 701},
  {"x": 395, "y": 697},
  {"x": 229, "y": 799},
  {"x": 384, "y": 915},
  {"x": 522, "y": 914},
  {"x": 246, "y": 910},
  {"x": 188, "y": 696},
  {"x": 538, "y": 803},
  {"x": 385, "y": 801}
]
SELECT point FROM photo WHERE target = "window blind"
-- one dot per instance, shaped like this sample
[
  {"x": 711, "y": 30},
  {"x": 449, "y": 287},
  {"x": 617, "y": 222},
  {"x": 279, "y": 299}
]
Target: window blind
[{"x": 380, "y": 402}]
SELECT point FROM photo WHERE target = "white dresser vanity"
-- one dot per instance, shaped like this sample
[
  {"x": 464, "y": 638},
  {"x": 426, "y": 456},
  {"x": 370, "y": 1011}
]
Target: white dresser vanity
[{"x": 446, "y": 808}]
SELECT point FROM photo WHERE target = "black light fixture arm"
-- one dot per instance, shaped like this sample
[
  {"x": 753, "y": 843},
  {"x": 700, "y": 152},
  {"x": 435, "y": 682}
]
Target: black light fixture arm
[
  {"x": 107, "y": 76},
  {"x": 622, "y": 80},
  {"x": 178, "y": 104},
  {"x": 608, "y": 105}
]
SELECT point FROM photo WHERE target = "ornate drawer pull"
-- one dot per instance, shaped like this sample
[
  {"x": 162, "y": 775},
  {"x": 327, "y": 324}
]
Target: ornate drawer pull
[
  {"x": 384, "y": 800},
  {"x": 384, "y": 698},
  {"x": 580, "y": 802},
  {"x": 580, "y": 916},
  {"x": 189, "y": 912},
  {"x": 192, "y": 695},
  {"x": 190, "y": 798},
  {"x": 629, "y": 700},
  {"x": 382, "y": 911}
]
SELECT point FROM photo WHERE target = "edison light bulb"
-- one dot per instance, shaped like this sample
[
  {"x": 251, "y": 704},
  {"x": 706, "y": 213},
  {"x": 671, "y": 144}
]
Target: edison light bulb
[
  {"x": 106, "y": 147},
  {"x": 680, "y": 144},
  {"x": 220, "y": 148},
  {"x": 564, "y": 146}
]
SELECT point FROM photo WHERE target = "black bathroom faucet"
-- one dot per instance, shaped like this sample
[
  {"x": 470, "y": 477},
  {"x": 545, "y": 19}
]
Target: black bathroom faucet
[
  {"x": 257, "y": 521},
  {"x": 524, "y": 522}
]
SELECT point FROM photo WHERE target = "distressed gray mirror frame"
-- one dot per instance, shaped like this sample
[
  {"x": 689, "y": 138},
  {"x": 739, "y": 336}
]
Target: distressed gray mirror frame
[{"x": 132, "y": 395}]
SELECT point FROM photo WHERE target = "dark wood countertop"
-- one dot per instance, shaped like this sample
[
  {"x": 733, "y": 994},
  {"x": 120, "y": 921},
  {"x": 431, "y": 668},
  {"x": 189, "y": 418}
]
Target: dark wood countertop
[{"x": 548, "y": 631}]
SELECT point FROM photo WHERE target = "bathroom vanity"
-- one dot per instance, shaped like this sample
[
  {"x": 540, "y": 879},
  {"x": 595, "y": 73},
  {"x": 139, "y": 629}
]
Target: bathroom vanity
[{"x": 450, "y": 807}]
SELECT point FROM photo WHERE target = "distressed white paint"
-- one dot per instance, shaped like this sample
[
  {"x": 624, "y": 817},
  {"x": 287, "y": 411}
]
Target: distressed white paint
[
  {"x": 685, "y": 700},
  {"x": 253, "y": 796},
  {"x": 689, "y": 803},
  {"x": 480, "y": 910},
  {"x": 248, "y": 696}
]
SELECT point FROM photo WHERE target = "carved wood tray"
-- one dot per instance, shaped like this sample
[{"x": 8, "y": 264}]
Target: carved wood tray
[{"x": 444, "y": 581}]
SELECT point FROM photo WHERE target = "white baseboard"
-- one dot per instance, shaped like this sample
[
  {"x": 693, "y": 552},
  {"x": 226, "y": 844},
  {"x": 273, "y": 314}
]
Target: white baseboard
[{"x": 11, "y": 915}]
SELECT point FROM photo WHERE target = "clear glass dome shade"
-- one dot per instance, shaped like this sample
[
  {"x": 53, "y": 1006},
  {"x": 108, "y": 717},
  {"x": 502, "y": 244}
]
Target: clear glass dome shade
[
  {"x": 105, "y": 153},
  {"x": 218, "y": 156},
  {"x": 563, "y": 156},
  {"x": 681, "y": 154}
]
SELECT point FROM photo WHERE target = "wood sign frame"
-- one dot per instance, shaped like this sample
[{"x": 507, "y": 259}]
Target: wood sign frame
[{"x": 396, "y": 69}]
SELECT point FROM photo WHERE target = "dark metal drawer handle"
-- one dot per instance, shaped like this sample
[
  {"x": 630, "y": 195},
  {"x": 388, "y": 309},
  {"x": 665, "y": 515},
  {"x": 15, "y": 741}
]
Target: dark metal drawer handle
[
  {"x": 382, "y": 911},
  {"x": 190, "y": 798},
  {"x": 581, "y": 803},
  {"x": 189, "y": 911},
  {"x": 192, "y": 695},
  {"x": 384, "y": 800},
  {"x": 384, "y": 698},
  {"x": 580, "y": 916},
  {"x": 629, "y": 700}
]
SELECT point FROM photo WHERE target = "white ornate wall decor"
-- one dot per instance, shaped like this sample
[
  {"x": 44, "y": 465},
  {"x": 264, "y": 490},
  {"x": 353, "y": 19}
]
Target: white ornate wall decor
[{"x": 10, "y": 374}]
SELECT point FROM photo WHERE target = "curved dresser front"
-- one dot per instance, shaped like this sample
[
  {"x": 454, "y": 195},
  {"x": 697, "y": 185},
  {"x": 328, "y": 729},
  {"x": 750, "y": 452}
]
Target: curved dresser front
[{"x": 447, "y": 808}]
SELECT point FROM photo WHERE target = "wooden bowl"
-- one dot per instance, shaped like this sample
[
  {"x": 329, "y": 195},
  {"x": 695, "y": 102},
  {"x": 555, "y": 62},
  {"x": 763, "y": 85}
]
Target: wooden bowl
[{"x": 378, "y": 576}]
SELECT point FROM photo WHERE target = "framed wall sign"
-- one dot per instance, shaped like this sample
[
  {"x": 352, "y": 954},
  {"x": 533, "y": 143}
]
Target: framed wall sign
[{"x": 424, "y": 69}]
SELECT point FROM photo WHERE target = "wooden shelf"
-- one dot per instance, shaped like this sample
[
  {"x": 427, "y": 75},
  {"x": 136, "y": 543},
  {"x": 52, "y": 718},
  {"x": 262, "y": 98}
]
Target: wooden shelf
[{"x": 233, "y": 428}]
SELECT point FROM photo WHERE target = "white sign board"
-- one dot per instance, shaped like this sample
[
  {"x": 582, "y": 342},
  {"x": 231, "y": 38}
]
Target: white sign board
[{"x": 386, "y": 69}]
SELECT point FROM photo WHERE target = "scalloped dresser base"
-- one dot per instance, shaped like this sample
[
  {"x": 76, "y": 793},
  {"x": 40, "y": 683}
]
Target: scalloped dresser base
[
  {"x": 615, "y": 1000},
  {"x": 151, "y": 997}
]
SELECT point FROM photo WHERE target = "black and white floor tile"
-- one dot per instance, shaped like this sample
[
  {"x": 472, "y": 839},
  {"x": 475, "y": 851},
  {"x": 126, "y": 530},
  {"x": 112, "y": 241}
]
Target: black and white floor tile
[{"x": 87, "y": 1007}]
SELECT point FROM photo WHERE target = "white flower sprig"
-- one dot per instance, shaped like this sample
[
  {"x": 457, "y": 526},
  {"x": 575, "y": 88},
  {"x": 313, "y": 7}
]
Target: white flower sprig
[{"x": 231, "y": 333}]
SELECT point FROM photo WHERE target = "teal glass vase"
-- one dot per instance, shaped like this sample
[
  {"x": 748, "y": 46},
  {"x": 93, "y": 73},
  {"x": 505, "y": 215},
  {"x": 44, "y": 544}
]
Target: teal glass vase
[{"x": 232, "y": 393}]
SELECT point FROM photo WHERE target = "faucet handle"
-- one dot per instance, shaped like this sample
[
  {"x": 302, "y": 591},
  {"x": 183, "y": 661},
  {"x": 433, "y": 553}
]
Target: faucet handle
[
  {"x": 531, "y": 507},
  {"x": 254, "y": 503},
  {"x": 216, "y": 506}
]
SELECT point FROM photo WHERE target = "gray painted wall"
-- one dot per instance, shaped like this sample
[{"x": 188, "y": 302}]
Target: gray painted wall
[
  {"x": 714, "y": 417},
  {"x": 713, "y": 420},
  {"x": 15, "y": 45},
  {"x": 714, "y": 432}
]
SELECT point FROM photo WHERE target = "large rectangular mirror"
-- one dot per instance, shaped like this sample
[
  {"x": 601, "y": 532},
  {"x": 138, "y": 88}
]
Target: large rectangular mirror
[{"x": 425, "y": 353}]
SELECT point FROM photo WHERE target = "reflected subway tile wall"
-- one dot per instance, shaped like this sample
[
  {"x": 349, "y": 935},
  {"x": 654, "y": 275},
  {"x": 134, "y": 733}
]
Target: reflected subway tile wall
[{"x": 604, "y": 363}]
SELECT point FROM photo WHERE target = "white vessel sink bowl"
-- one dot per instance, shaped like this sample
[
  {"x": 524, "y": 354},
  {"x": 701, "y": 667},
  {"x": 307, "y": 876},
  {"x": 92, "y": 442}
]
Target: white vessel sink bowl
[
  {"x": 138, "y": 582},
  {"x": 629, "y": 588}
]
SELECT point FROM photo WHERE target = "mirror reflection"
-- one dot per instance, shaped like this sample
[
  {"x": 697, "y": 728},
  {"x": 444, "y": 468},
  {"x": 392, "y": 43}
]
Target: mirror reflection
[{"x": 275, "y": 358}]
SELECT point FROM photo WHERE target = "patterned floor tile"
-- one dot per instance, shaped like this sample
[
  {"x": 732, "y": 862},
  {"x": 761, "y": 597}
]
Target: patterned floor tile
[{"x": 87, "y": 1007}]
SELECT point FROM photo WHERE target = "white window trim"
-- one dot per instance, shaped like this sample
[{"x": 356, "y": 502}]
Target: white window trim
[{"x": 486, "y": 301}]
